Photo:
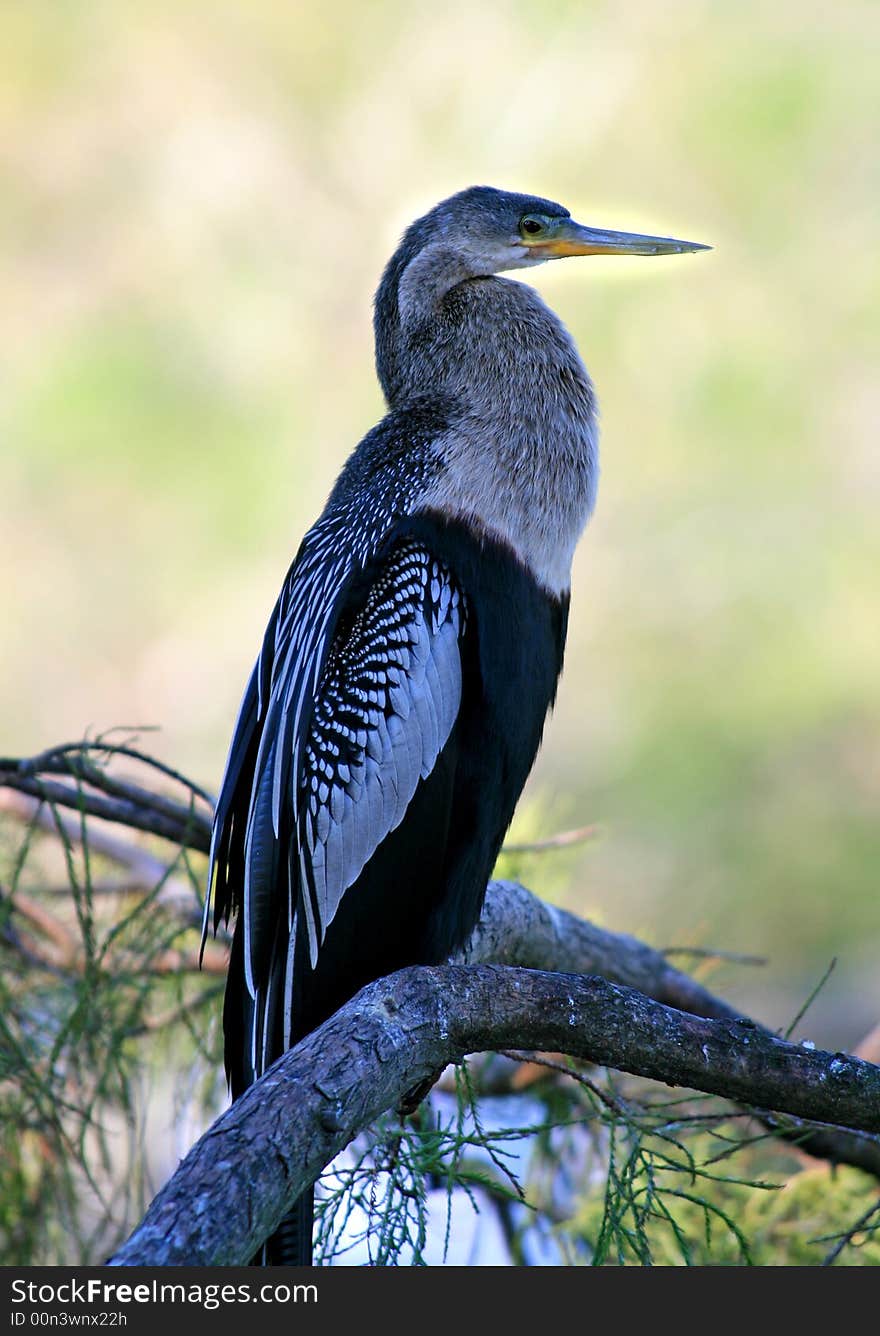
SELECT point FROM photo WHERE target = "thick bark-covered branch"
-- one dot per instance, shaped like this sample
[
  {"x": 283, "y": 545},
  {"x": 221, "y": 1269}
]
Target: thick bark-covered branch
[
  {"x": 516, "y": 928},
  {"x": 240, "y": 1178}
]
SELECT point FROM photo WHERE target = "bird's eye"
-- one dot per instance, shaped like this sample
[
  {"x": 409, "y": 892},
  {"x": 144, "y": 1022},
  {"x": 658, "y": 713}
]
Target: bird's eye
[{"x": 531, "y": 226}]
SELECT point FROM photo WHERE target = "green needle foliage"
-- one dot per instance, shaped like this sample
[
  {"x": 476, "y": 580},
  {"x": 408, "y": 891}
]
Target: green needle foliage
[
  {"x": 593, "y": 1179},
  {"x": 92, "y": 1008}
]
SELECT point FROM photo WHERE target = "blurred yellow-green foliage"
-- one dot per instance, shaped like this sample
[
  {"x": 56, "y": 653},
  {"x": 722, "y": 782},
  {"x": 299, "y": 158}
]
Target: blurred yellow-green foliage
[{"x": 197, "y": 200}]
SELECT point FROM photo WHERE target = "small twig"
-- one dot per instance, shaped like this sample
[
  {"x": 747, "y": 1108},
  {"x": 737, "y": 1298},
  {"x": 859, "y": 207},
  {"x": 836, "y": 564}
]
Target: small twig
[
  {"x": 175, "y": 822},
  {"x": 711, "y": 953},
  {"x": 98, "y": 886},
  {"x": 554, "y": 1065},
  {"x": 28, "y": 948},
  {"x": 811, "y": 999},
  {"x": 850, "y": 1234},
  {"x": 46, "y": 762},
  {"x": 48, "y": 926},
  {"x": 560, "y": 841},
  {"x": 214, "y": 960},
  {"x": 62, "y": 761},
  {"x": 151, "y": 1024}
]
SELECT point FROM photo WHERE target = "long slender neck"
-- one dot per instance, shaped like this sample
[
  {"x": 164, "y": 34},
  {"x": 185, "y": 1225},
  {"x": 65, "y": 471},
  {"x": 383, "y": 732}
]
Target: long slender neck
[
  {"x": 441, "y": 326},
  {"x": 408, "y": 303},
  {"x": 522, "y": 460}
]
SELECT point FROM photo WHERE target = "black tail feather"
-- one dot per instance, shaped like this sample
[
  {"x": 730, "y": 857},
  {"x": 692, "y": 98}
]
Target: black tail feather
[{"x": 291, "y": 1244}]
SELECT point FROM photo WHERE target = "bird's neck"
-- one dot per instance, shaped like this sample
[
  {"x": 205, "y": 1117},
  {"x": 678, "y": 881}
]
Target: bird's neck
[
  {"x": 521, "y": 460},
  {"x": 409, "y": 303}
]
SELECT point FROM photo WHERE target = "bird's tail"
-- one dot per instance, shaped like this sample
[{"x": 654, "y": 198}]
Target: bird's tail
[{"x": 291, "y": 1244}]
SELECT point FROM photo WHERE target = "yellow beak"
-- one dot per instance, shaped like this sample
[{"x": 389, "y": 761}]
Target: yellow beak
[{"x": 571, "y": 238}]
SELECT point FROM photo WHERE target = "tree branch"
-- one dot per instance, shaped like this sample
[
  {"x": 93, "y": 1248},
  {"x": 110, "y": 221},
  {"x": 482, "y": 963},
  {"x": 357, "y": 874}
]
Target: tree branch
[
  {"x": 98, "y": 794},
  {"x": 390, "y": 1038},
  {"x": 516, "y": 929}
]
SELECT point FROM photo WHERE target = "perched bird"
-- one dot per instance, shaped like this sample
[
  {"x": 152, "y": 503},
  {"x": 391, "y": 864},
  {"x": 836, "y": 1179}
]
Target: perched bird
[{"x": 400, "y": 694}]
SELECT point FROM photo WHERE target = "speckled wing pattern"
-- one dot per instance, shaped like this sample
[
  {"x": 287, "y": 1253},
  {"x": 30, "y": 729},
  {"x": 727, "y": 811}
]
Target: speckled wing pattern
[{"x": 388, "y": 699}]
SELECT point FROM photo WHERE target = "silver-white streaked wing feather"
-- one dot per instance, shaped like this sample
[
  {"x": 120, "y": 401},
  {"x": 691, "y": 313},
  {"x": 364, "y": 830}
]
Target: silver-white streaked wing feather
[{"x": 388, "y": 699}]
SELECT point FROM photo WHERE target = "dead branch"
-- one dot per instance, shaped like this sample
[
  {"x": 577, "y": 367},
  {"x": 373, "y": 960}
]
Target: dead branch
[{"x": 96, "y": 793}]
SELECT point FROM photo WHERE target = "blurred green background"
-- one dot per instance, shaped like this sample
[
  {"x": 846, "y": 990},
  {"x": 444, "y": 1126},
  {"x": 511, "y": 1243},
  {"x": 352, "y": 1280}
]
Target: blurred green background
[{"x": 197, "y": 200}]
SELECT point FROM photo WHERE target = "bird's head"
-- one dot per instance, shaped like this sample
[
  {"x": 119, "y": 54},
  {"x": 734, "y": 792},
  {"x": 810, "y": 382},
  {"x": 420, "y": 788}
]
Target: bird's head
[
  {"x": 493, "y": 230},
  {"x": 479, "y": 232}
]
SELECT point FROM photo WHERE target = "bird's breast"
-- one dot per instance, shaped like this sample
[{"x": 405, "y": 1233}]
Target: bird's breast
[
  {"x": 525, "y": 474},
  {"x": 519, "y": 460}
]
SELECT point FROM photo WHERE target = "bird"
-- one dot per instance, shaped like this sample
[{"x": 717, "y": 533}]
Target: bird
[{"x": 399, "y": 698}]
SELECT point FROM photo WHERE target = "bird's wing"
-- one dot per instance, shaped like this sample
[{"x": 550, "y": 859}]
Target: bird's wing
[
  {"x": 353, "y": 698},
  {"x": 388, "y": 699}
]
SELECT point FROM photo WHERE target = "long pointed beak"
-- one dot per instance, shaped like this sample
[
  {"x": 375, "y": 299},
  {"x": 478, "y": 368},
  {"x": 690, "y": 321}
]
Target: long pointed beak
[{"x": 571, "y": 238}]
